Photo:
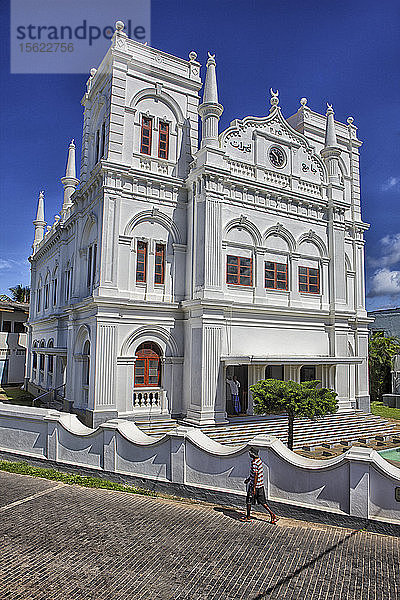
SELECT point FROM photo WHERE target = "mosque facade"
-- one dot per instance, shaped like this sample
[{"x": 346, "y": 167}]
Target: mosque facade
[{"x": 176, "y": 262}]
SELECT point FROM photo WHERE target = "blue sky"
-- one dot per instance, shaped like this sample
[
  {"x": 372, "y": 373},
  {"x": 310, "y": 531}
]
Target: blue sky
[{"x": 344, "y": 52}]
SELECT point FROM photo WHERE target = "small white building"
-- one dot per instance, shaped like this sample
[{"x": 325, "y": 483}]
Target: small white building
[
  {"x": 13, "y": 316},
  {"x": 174, "y": 263}
]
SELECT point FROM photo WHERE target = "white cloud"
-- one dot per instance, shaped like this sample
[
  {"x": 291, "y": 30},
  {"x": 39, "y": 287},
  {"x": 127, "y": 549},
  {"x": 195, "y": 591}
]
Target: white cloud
[
  {"x": 384, "y": 283},
  {"x": 390, "y": 251},
  {"x": 390, "y": 183},
  {"x": 5, "y": 264}
]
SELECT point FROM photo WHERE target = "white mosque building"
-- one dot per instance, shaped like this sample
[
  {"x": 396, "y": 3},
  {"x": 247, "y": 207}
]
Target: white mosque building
[{"x": 176, "y": 262}]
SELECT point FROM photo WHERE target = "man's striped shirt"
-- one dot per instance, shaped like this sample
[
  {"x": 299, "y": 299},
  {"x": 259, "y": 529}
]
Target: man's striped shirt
[{"x": 257, "y": 468}]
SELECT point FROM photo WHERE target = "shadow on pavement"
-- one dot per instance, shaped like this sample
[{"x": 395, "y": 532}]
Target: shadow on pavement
[
  {"x": 236, "y": 515},
  {"x": 306, "y": 565}
]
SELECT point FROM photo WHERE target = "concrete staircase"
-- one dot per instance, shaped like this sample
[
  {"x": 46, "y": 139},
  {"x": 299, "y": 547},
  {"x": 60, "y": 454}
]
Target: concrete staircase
[
  {"x": 157, "y": 427},
  {"x": 347, "y": 428}
]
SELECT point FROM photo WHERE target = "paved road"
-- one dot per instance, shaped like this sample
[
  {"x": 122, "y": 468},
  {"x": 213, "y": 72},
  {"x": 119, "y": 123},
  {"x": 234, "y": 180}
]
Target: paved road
[{"x": 60, "y": 542}]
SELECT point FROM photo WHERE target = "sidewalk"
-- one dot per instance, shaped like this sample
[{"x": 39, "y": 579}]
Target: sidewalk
[{"x": 60, "y": 542}]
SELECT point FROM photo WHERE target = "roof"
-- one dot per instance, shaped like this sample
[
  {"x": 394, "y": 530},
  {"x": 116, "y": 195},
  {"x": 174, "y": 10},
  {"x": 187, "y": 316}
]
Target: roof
[
  {"x": 383, "y": 311},
  {"x": 9, "y": 305}
]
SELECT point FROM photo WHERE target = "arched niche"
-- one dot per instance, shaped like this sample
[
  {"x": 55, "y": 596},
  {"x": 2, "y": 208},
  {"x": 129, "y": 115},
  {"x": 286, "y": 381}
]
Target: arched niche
[
  {"x": 276, "y": 242},
  {"x": 156, "y": 334}
]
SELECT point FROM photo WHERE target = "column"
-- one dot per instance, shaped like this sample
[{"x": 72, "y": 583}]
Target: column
[
  {"x": 104, "y": 390},
  {"x": 337, "y": 256},
  {"x": 362, "y": 383},
  {"x": 359, "y": 269},
  {"x": 206, "y": 404},
  {"x": 213, "y": 247},
  {"x": 295, "y": 298},
  {"x": 125, "y": 382},
  {"x": 255, "y": 373},
  {"x": 292, "y": 373},
  {"x": 325, "y": 283},
  {"x": 259, "y": 275}
]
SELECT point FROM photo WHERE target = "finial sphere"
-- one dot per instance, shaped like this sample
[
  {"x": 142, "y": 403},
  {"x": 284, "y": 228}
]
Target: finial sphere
[
  {"x": 303, "y": 101},
  {"x": 350, "y": 120},
  {"x": 274, "y": 97},
  {"x": 192, "y": 55},
  {"x": 93, "y": 72},
  {"x": 119, "y": 25}
]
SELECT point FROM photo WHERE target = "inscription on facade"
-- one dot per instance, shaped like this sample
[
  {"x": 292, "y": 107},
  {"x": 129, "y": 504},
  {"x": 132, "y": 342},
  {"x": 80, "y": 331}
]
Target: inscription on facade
[{"x": 240, "y": 146}]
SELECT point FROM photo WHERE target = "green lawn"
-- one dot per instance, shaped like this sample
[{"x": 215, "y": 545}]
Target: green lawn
[
  {"x": 381, "y": 410},
  {"x": 71, "y": 478},
  {"x": 14, "y": 395}
]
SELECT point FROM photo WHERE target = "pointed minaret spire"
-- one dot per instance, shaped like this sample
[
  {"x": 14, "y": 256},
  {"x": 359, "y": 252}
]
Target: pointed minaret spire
[
  {"x": 210, "y": 110},
  {"x": 210, "y": 86},
  {"x": 69, "y": 181},
  {"x": 330, "y": 133},
  {"x": 39, "y": 222},
  {"x": 331, "y": 152},
  {"x": 71, "y": 171}
]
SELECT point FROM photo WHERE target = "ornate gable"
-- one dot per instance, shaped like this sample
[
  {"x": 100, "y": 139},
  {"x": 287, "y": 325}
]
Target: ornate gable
[{"x": 272, "y": 145}]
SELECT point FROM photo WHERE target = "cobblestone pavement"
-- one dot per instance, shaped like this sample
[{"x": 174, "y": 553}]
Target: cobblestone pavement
[{"x": 60, "y": 542}]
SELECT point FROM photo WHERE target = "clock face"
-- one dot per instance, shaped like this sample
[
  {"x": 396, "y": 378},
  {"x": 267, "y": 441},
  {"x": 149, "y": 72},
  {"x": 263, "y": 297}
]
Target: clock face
[{"x": 277, "y": 156}]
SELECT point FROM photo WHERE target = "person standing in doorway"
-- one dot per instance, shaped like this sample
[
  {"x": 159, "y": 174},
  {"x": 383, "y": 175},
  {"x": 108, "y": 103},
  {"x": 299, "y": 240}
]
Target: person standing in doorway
[
  {"x": 234, "y": 384},
  {"x": 255, "y": 487}
]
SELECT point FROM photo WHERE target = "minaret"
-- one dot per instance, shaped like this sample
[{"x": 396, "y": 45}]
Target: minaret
[
  {"x": 69, "y": 181},
  {"x": 210, "y": 110},
  {"x": 331, "y": 152},
  {"x": 39, "y": 222}
]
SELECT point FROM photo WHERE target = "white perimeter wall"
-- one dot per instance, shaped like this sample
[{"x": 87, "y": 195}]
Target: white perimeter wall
[{"x": 359, "y": 483}]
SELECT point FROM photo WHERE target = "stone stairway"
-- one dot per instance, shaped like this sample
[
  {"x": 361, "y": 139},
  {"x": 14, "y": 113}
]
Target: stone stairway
[
  {"x": 157, "y": 427},
  {"x": 347, "y": 428},
  {"x": 343, "y": 428}
]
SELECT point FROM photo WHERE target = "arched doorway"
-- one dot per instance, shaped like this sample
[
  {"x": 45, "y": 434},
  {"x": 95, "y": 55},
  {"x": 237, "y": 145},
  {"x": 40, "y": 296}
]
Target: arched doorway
[{"x": 148, "y": 365}]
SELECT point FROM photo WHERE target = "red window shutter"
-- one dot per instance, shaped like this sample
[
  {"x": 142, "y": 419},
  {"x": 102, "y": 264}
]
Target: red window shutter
[
  {"x": 145, "y": 144},
  {"x": 309, "y": 280},
  {"x": 147, "y": 366},
  {"x": 239, "y": 270},
  {"x": 159, "y": 263},
  {"x": 163, "y": 140},
  {"x": 141, "y": 261},
  {"x": 276, "y": 276}
]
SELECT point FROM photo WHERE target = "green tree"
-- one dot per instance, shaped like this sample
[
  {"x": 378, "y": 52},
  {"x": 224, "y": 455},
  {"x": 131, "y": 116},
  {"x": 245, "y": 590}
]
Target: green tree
[
  {"x": 381, "y": 351},
  {"x": 20, "y": 293},
  {"x": 295, "y": 399}
]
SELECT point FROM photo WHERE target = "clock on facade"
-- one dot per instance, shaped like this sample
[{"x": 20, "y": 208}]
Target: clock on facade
[{"x": 277, "y": 156}]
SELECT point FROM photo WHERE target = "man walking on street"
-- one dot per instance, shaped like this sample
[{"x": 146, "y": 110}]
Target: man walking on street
[{"x": 255, "y": 487}]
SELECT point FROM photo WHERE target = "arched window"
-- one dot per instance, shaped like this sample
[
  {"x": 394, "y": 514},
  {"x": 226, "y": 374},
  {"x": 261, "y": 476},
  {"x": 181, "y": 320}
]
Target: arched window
[
  {"x": 50, "y": 359},
  {"x": 86, "y": 362},
  {"x": 34, "y": 359},
  {"x": 148, "y": 365},
  {"x": 41, "y": 358},
  {"x": 50, "y": 365},
  {"x": 46, "y": 291},
  {"x": 85, "y": 372}
]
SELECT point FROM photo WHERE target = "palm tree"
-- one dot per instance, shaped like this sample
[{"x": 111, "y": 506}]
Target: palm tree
[{"x": 20, "y": 293}]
